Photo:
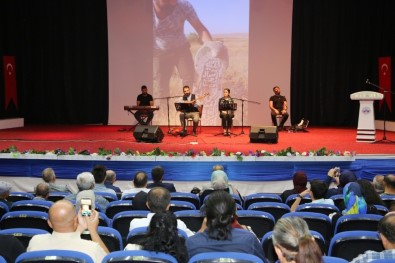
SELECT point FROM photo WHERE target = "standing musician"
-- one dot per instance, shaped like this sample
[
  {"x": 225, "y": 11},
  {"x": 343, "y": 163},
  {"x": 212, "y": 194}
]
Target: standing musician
[
  {"x": 191, "y": 112},
  {"x": 226, "y": 112},
  {"x": 144, "y": 99}
]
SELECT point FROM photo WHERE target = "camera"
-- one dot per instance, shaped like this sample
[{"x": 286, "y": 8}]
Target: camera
[
  {"x": 86, "y": 206},
  {"x": 337, "y": 171}
]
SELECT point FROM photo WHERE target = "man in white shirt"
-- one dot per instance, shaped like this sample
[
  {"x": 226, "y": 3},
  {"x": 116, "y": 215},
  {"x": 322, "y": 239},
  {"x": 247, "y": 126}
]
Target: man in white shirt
[
  {"x": 67, "y": 228},
  {"x": 140, "y": 182},
  {"x": 158, "y": 200}
]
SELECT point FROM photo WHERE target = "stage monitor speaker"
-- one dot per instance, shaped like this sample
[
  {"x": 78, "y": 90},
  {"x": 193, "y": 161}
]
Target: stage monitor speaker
[
  {"x": 264, "y": 134},
  {"x": 148, "y": 133}
]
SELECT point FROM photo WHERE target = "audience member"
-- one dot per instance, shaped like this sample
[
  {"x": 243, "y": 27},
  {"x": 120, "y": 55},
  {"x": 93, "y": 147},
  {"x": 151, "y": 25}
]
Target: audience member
[
  {"x": 5, "y": 189},
  {"x": 369, "y": 193},
  {"x": 293, "y": 242},
  {"x": 218, "y": 167},
  {"x": 341, "y": 177},
  {"x": 378, "y": 183},
  {"x": 157, "y": 176},
  {"x": 67, "y": 228},
  {"x": 317, "y": 193},
  {"x": 386, "y": 229},
  {"x": 49, "y": 176},
  {"x": 299, "y": 181},
  {"x": 389, "y": 184},
  {"x": 86, "y": 181},
  {"x": 99, "y": 173},
  {"x": 41, "y": 191},
  {"x": 111, "y": 177},
  {"x": 158, "y": 200},
  {"x": 219, "y": 235},
  {"x": 10, "y": 248},
  {"x": 219, "y": 181},
  {"x": 163, "y": 237},
  {"x": 140, "y": 181}
]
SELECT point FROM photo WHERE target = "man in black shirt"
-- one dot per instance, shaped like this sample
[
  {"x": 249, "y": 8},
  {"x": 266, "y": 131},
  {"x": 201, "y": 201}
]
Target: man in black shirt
[
  {"x": 144, "y": 99},
  {"x": 278, "y": 106}
]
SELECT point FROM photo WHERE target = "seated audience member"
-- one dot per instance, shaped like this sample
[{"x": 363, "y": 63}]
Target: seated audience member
[
  {"x": 49, "y": 176},
  {"x": 111, "y": 177},
  {"x": 41, "y": 191},
  {"x": 157, "y": 176},
  {"x": 158, "y": 201},
  {"x": 219, "y": 181},
  {"x": 10, "y": 248},
  {"x": 163, "y": 237},
  {"x": 293, "y": 242},
  {"x": 86, "y": 181},
  {"x": 386, "y": 229},
  {"x": 140, "y": 181},
  {"x": 99, "y": 173},
  {"x": 299, "y": 181},
  {"x": 341, "y": 178},
  {"x": 389, "y": 184},
  {"x": 5, "y": 189},
  {"x": 378, "y": 183},
  {"x": 218, "y": 167},
  {"x": 369, "y": 193},
  {"x": 219, "y": 235},
  {"x": 354, "y": 203},
  {"x": 317, "y": 193},
  {"x": 67, "y": 228}
]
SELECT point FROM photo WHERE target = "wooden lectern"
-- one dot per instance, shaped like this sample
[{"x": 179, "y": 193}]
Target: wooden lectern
[{"x": 366, "y": 131}]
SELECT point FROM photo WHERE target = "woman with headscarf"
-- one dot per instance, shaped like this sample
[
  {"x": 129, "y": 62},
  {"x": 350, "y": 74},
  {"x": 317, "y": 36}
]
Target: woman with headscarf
[
  {"x": 299, "y": 181},
  {"x": 219, "y": 181}
]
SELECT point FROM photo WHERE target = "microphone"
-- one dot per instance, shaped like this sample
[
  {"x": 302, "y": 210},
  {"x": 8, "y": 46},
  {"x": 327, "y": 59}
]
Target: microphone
[{"x": 367, "y": 81}]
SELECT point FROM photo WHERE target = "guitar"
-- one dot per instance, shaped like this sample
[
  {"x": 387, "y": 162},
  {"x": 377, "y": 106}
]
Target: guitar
[{"x": 198, "y": 98}]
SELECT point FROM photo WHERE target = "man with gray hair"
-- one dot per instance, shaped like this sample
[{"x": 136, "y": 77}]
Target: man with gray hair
[
  {"x": 49, "y": 176},
  {"x": 86, "y": 181}
]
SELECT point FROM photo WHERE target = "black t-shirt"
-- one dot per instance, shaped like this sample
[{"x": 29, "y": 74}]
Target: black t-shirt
[
  {"x": 145, "y": 100},
  {"x": 278, "y": 101}
]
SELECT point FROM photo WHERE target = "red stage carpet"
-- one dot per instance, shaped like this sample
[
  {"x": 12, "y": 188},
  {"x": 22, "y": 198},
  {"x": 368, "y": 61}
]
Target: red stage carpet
[{"x": 93, "y": 137}]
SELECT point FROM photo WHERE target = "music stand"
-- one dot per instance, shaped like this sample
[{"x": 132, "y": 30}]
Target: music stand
[
  {"x": 168, "y": 111},
  {"x": 227, "y": 106},
  {"x": 184, "y": 107},
  {"x": 242, "y": 111}
]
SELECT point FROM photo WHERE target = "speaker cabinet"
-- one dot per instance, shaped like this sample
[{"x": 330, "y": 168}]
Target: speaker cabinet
[
  {"x": 264, "y": 134},
  {"x": 148, "y": 133}
]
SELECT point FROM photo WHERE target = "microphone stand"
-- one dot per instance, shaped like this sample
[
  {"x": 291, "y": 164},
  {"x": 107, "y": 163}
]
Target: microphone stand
[
  {"x": 242, "y": 111},
  {"x": 385, "y": 91},
  {"x": 168, "y": 111}
]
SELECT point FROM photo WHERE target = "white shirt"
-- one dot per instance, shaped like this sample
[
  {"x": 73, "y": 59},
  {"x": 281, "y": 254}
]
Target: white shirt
[
  {"x": 134, "y": 190},
  {"x": 323, "y": 201},
  {"x": 144, "y": 222}
]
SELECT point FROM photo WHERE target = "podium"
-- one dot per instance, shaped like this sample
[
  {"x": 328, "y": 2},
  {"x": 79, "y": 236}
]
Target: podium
[{"x": 366, "y": 131}]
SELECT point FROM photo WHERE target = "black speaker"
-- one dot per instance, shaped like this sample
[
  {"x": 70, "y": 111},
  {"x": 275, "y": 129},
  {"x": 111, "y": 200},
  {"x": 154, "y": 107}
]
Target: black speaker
[
  {"x": 148, "y": 133},
  {"x": 264, "y": 134}
]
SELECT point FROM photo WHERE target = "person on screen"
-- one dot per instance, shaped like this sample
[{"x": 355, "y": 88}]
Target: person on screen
[
  {"x": 278, "y": 106},
  {"x": 171, "y": 46},
  {"x": 191, "y": 112},
  {"x": 144, "y": 99},
  {"x": 226, "y": 112}
]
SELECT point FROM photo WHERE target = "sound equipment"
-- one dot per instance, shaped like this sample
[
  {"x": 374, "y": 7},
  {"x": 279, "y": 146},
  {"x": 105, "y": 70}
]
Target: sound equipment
[
  {"x": 263, "y": 134},
  {"x": 148, "y": 133}
]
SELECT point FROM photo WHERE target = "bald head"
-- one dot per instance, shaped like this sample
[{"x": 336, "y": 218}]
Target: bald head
[{"x": 62, "y": 217}]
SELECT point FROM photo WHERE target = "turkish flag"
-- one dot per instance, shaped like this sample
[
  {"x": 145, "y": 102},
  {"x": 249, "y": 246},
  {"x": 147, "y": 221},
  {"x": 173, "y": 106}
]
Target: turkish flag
[
  {"x": 10, "y": 81},
  {"x": 385, "y": 80}
]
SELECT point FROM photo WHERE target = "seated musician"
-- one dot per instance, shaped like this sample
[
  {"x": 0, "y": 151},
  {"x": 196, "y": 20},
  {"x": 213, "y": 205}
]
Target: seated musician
[
  {"x": 144, "y": 99},
  {"x": 191, "y": 112},
  {"x": 226, "y": 112}
]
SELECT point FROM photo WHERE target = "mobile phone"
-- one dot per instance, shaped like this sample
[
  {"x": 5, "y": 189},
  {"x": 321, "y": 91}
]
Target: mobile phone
[{"x": 86, "y": 206}]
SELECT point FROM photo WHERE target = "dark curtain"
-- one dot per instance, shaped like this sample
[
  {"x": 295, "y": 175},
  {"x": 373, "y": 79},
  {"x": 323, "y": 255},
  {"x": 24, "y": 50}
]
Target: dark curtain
[
  {"x": 61, "y": 55},
  {"x": 335, "y": 48}
]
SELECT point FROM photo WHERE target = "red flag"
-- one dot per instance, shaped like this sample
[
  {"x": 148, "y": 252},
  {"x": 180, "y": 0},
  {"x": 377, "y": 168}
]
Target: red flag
[
  {"x": 385, "y": 80},
  {"x": 10, "y": 81}
]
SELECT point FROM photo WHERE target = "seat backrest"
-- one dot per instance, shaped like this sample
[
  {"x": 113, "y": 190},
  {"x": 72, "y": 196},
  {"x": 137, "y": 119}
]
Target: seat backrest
[
  {"x": 56, "y": 196},
  {"x": 53, "y": 256},
  {"x": 225, "y": 257},
  {"x": 104, "y": 220},
  {"x": 261, "y": 197},
  {"x": 291, "y": 199},
  {"x": 276, "y": 209},
  {"x": 317, "y": 208},
  {"x": 23, "y": 234},
  {"x": 367, "y": 222},
  {"x": 138, "y": 256},
  {"x": 350, "y": 244},
  {"x": 260, "y": 222},
  {"x": 18, "y": 196},
  {"x": 116, "y": 207},
  {"x": 31, "y": 205},
  {"x": 383, "y": 210},
  {"x": 121, "y": 221},
  {"x": 3, "y": 209},
  {"x": 193, "y": 219},
  {"x": 110, "y": 237},
  {"x": 180, "y": 196},
  {"x": 129, "y": 196},
  {"x": 2, "y": 260},
  {"x": 110, "y": 197},
  {"x": 338, "y": 200},
  {"x": 176, "y": 205},
  {"x": 389, "y": 200},
  {"x": 25, "y": 219},
  {"x": 328, "y": 259}
]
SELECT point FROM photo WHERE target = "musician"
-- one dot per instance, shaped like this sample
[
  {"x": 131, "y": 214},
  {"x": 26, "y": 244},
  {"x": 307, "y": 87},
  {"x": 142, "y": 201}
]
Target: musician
[
  {"x": 191, "y": 112},
  {"x": 226, "y": 112},
  {"x": 144, "y": 99},
  {"x": 278, "y": 106}
]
